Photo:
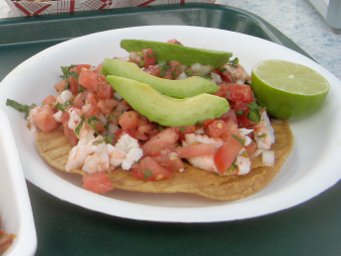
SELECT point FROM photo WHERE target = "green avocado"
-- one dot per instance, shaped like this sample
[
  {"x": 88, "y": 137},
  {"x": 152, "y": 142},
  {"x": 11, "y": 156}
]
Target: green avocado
[
  {"x": 186, "y": 55},
  {"x": 165, "y": 110},
  {"x": 176, "y": 88}
]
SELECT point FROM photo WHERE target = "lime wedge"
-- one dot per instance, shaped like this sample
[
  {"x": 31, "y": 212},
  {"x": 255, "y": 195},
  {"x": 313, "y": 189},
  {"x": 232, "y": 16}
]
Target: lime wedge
[{"x": 288, "y": 90}]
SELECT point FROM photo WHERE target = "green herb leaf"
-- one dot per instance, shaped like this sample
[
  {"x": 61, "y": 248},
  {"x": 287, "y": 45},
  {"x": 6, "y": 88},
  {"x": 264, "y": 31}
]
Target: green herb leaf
[
  {"x": 20, "y": 107},
  {"x": 147, "y": 174},
  {"x": 63, "y": 106},
  {"x": 234, "y": 62},
  {"x": 79, "y": 126},
  {"x": 67, "y": 73},
  {"x": 254, "y": 114},
  {"x": 240, "y": 140}
]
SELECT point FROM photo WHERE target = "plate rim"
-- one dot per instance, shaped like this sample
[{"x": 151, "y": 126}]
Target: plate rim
[{"x": 179, "y": 210}]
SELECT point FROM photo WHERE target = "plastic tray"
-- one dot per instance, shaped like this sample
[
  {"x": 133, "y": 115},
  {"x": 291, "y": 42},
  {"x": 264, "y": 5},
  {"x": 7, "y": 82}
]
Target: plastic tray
[{"x": 312, "y": 228}]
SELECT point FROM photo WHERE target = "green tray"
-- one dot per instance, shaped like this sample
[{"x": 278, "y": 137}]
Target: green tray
[{"x": 312, "y": 228}]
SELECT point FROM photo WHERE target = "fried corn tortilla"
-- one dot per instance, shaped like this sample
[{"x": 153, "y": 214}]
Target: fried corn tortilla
[{"x": 54, "y": 147}]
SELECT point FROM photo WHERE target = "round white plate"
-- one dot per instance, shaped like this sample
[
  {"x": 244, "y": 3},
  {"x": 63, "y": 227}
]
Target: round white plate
[{"x": 313, "y": 166}]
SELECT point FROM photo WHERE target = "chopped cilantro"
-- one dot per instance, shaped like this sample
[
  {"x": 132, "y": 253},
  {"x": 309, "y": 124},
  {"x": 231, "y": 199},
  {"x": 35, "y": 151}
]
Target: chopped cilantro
[
  {"x": 63, "y": 106},
  {"x": 79, "y": 126},
  {"x": 67, "y": 73},
  {"x": 182, "y": 129},
  {"x": 92, "y": 122},
  {"x": 147, "y": 173},
  {"x": 163, "y": 67},
  {"x": 239, "y": 139},
  {"x": 20, "y": 107},
  {"x": 254, "y": 114},
  {"x": 234, "y": 62}
]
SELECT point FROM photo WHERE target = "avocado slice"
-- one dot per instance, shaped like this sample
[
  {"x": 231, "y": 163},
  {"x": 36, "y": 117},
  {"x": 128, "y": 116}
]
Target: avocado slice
[
  {"x": 186, "y": 55},
  {"x": 165, "y": 110},
  {"x": 176, "y": 88}
]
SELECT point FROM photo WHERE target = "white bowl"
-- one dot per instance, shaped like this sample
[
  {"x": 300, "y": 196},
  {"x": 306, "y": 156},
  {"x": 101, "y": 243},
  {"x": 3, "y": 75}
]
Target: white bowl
[{"x": 15, "y": 207}]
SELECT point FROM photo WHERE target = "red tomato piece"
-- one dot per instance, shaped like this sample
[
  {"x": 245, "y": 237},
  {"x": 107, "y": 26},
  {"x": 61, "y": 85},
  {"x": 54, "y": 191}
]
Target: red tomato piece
[
  {"x": 166, "y": 139},
  {"x": 149, "y": 169},
  {"x": 42, "y": 117},
  {"x": 88, "y": 79},
  {"x": 216, "y": 129},
  {"x": 73, "y": 85},
  {"x": 149, "y": 57},
  {"x": 104, "y": 90},
  {"x": 49, "y": 100},
  {"x": 222, "y": 92},
  {"x": 60, "y": 86},
  {"x": 240, "y": 92},
  {"x": 67, "y": 131},
  {"x": 79, "y": 67},
  {"x": 98, "y": 182},
  {"x": 79, "y": 100},
  {"x": 196, "y": 150},
  {"x": 170, "y": 161},
  {"x": 154, "y": 70},
  {"x": 129, "y": 120},
  {"x": 226, "y": 154},
  {"x": 107, "y": 105}
]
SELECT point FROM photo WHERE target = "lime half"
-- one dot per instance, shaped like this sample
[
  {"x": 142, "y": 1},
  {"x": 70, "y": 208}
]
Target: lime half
[{"x": 288, "y": 90}]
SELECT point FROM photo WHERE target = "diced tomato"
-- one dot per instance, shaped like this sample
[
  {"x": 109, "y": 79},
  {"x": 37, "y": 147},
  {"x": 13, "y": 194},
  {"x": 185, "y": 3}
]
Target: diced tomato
[
  {"x": 149, "y": 57},
  {"x": 169, "y": 160},
  {"x": 88, "y": 79},
  {"x": 79, "y": 67},
  {"x": 79, "y": 100},
  {"x": 104, "y": 90},
  {"x": 154, "y": 70},
  {"x": 221, "y": 128},
  {"x": 226, "y": 154},
  {"x": 42, "y": 118},
  {"x": 67, "y": 131},
  {"x": 73, "y": 85},
  {"x": 129, "y": 120},
  {"x": 49, "y": 100},
  {"x": 98, "y": 182},
  {"x": 98, "y": 69},
  {"x": 145, "y": 129},
  {"x": 166, "y": 139},
  {"x": 91, "y": 105},
  {"x": 226, "y": 76},
  {"x": 230, "y": 116},
  {"x": 174, "y": 41},
  {"x": 240, "y": 92},
  {"x": 222, "y": 92},
  {"x": 107, "y": 105},
  {"x": 149, "y": 169},
  {"x": 196, "y": 150},
  {"x": 175, "y": 68},
  {"x": 216, "y": 129},
  {"x": 60, "y": 86},
  {"x": 186, "y": 129}
]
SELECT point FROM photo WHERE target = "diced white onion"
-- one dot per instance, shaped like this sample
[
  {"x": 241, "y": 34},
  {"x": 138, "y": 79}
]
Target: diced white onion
[{"x": 268, "y": 157}]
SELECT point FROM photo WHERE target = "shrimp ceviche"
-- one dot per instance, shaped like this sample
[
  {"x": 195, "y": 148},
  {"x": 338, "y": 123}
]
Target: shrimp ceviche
[{"x": 158, "y": 121}]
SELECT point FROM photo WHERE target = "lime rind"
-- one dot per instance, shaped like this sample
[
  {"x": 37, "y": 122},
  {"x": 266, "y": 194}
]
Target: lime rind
[{"x": 288, "y": 90}]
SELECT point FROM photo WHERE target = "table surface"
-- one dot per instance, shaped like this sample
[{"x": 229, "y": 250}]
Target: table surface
[{"x": 297, "y": 19}]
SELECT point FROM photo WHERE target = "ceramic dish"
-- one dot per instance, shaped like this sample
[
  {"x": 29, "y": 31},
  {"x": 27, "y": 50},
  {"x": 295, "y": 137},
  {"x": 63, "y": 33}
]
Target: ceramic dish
[
  {"x": 15, "y": 208},
  {"x": 312, "y": 167}
]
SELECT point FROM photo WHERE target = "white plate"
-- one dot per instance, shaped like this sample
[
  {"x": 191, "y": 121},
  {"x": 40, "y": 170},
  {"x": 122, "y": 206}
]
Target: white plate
[
  {"x": 312, "y": 167},
  {"x": 15, "y": 208}
]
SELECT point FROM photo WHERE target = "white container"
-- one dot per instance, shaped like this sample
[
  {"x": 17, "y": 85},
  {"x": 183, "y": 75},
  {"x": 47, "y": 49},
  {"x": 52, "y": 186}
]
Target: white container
[{"x": 15, "y": 207}]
